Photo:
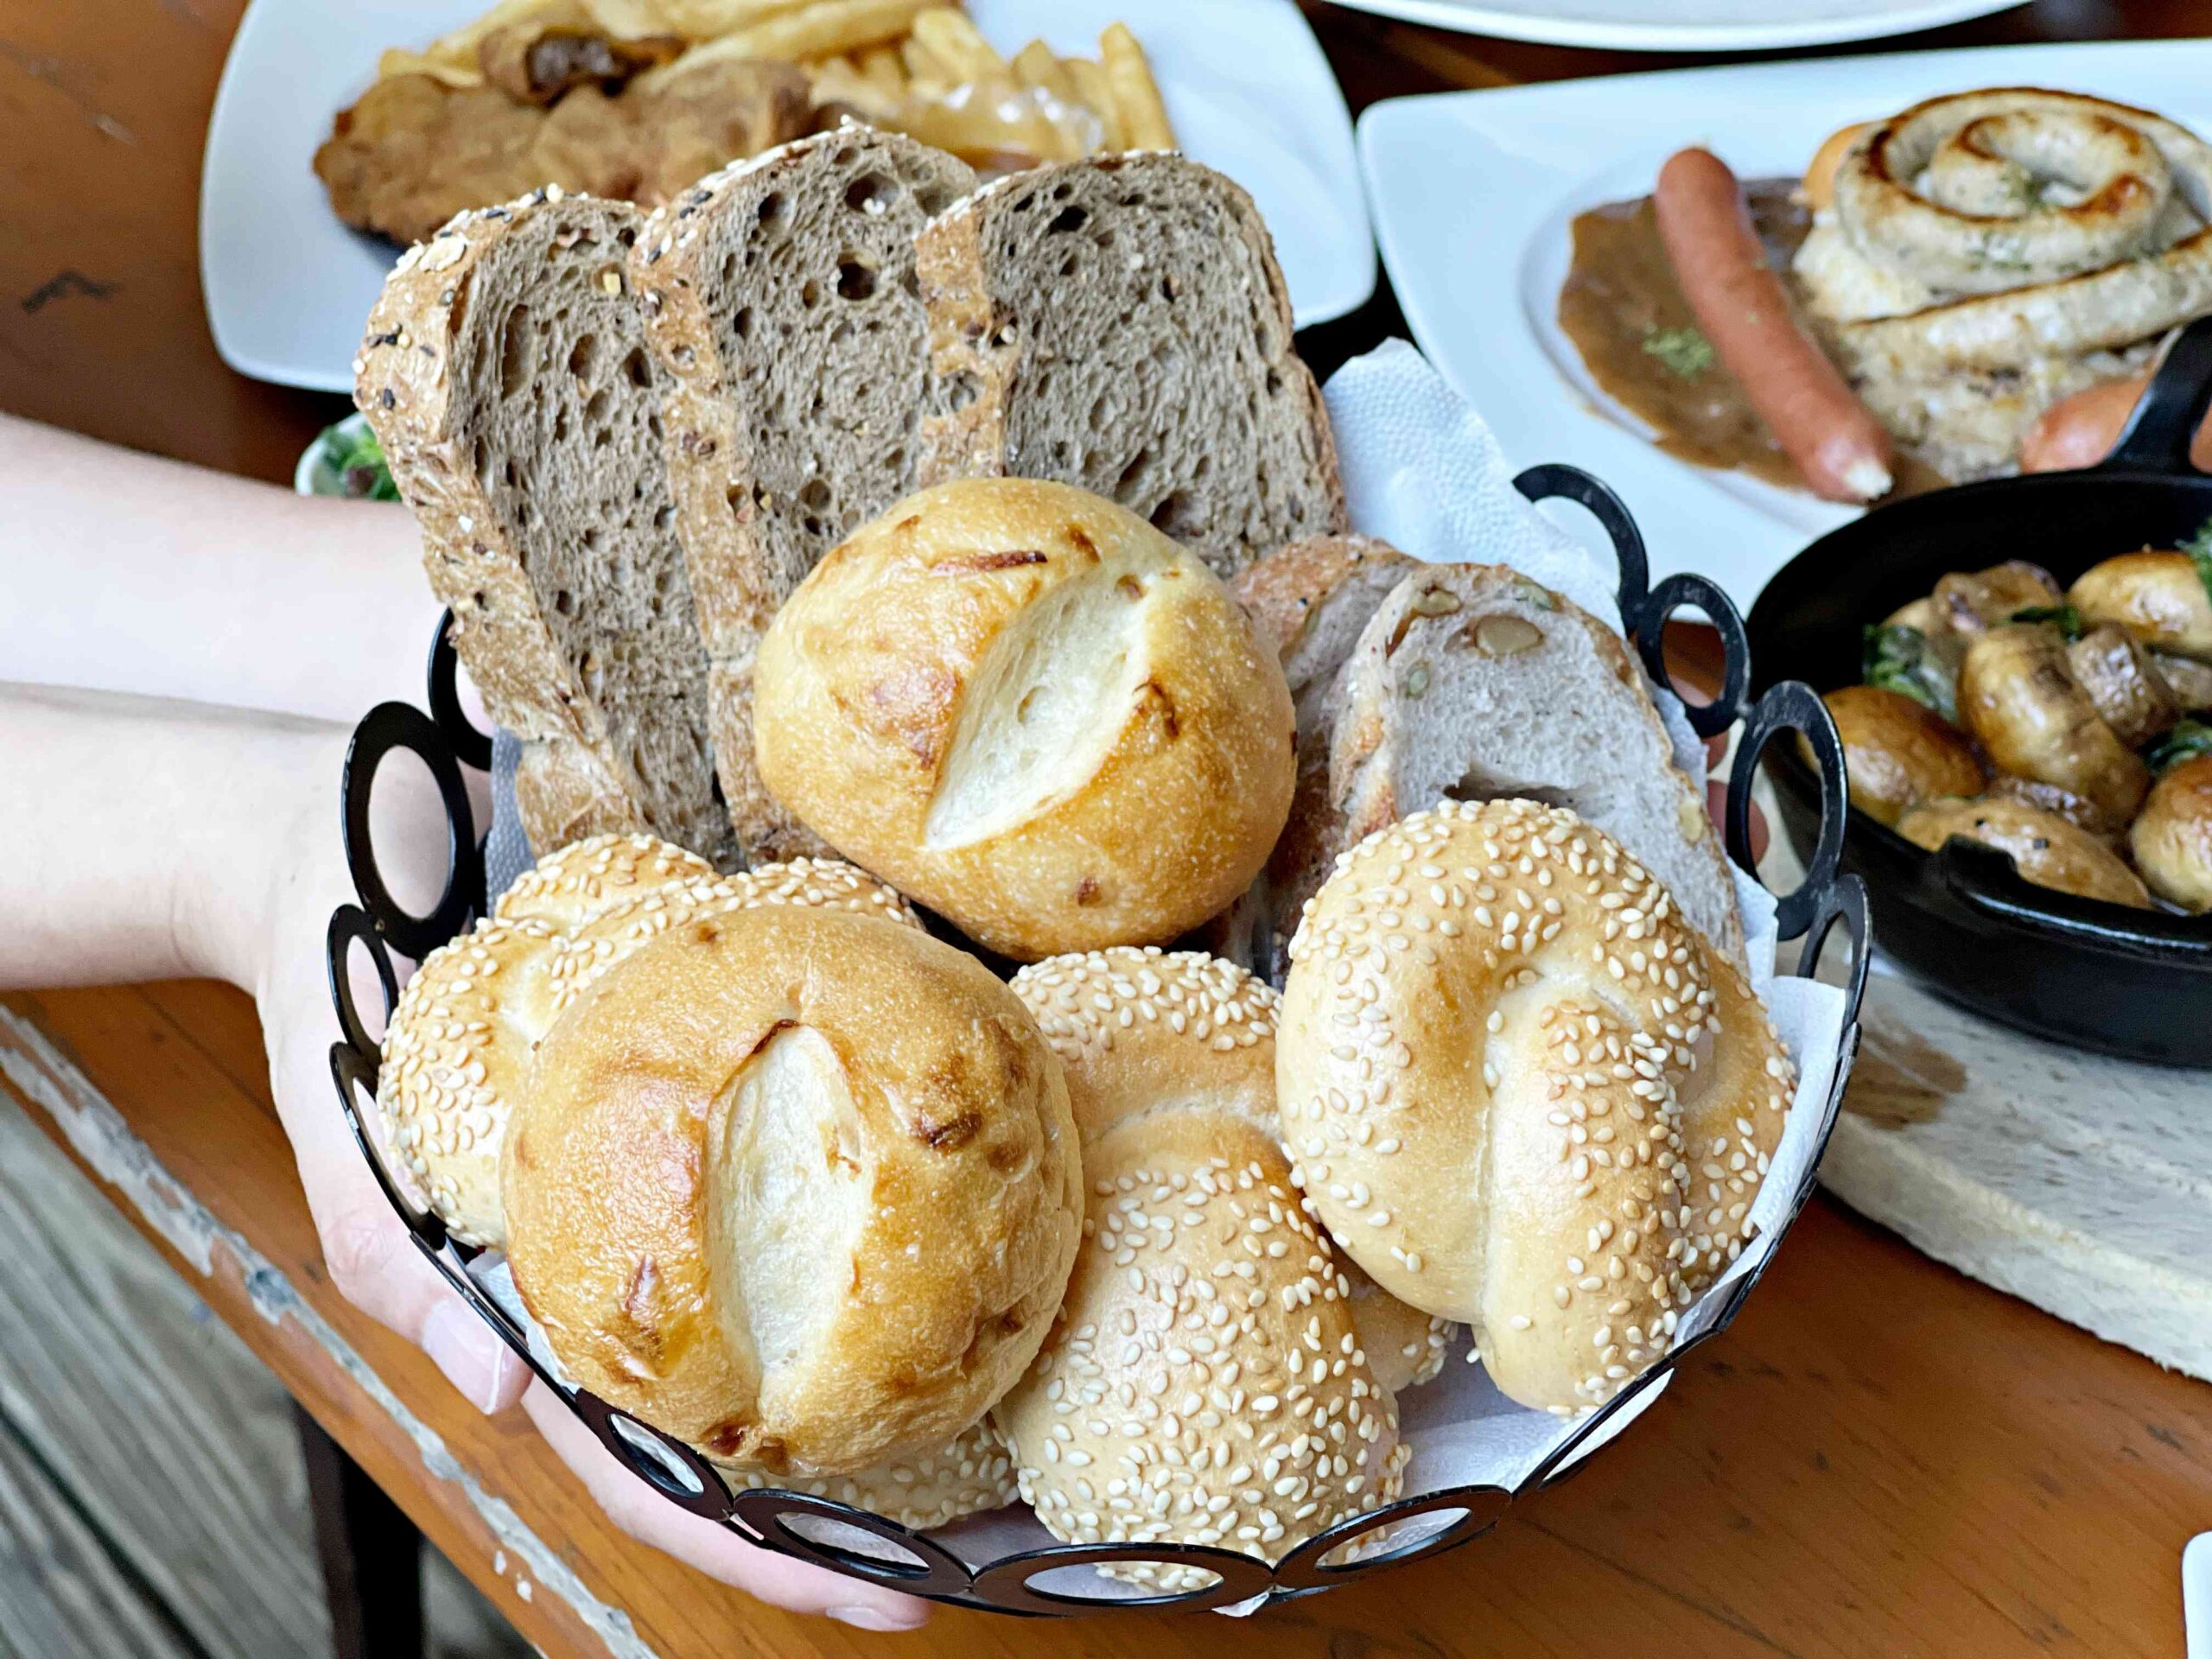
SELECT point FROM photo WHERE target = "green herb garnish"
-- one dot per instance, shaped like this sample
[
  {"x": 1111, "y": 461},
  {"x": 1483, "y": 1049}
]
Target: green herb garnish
[
  {"x": 1898, "y": 659},
  {"x": 1684, "y": 352},
  {"x": 2188, "y": 740},
  {"x": 2065, "y": 617},
  {"x": 2199, "y": 549},
  {"x": 357, "y": 460}
]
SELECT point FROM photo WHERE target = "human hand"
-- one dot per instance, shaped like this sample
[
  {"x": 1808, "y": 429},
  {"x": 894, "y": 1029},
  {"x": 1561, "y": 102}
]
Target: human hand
[
  {"x": 1716, "y": 799},
  {"x": 180, "y": 840}
]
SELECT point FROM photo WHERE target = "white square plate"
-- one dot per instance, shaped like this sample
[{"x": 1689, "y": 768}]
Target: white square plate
[
  {"x": 1473, "y": 195},
  {"x": 288, "y": 286}
]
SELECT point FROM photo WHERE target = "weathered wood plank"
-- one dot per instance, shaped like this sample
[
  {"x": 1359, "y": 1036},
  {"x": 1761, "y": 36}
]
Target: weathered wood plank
[
  {"x": 60, "y": 1593},
  {"x": 166, "y": 1432},
  {"x": 176, "y": 1440}
]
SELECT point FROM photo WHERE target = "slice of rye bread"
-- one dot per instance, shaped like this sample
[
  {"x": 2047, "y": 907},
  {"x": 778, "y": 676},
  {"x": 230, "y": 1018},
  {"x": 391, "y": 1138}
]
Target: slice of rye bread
[
  {"x": 1121, "y": 324},
  {"x": 1309, "y": 602},
  {"x": 505, "y": 373},
  {"x": 1472, "y": 682},
  {"x": 781, "y": 300}
]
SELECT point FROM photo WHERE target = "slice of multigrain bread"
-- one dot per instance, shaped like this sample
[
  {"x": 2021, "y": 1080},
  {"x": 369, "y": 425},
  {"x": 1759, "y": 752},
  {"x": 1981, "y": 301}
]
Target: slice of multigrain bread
[
  {"x": 505, "y": 373},
  {"x": 782, "y": 301},
  {"x": 1121, "y": 324},
  {"x": 1473, "y": 683},
  {"x": 1309, "y": 602}
]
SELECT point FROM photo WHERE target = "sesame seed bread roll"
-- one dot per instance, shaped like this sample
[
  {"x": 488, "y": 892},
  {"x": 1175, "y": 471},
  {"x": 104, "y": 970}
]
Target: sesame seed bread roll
[
  {"x": 975, "y": 1472},
  {"x": 1205, "y": 1383},
  {"x": 1404, "y": 1346},
  {"x": 796, "y": 1186},
  {"x": 576, "y": 883},
  {"x": 1026, "y": 707},
  {"x": 1524, "y": 1091},
  {"x": 456, "y": 1055}
]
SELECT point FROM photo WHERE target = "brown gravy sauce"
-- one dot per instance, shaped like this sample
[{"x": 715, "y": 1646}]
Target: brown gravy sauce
[{"x": 1620, "y": 295}]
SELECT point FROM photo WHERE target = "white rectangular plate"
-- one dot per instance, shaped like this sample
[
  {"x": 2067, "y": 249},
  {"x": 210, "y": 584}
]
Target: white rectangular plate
[
  {"x": 1473, "y": 195},
  {"x": 288, "y": 286}
]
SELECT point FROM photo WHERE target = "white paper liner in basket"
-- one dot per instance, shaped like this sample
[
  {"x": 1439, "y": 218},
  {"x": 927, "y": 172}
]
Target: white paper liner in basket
[{"x": 1422, "y": 472}]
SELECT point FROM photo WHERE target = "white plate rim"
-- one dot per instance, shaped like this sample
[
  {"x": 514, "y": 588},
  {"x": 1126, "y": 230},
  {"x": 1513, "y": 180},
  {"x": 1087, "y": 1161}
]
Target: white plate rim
[{"x": 1468, "y": 18}]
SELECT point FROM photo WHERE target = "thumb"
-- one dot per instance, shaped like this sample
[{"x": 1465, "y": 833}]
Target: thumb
[{"x": 374, "y": 1263}]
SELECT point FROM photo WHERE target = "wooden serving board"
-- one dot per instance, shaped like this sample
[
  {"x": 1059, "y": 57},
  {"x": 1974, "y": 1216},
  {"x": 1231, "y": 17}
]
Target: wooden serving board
[{"x": 2081, "y": 1183}]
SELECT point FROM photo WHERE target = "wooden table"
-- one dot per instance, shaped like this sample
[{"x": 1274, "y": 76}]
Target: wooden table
[{"x": 1882, "y": 1458}]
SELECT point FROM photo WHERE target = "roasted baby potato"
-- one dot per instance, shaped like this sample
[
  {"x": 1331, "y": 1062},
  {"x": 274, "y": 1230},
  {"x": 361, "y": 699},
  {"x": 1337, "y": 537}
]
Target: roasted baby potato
[
  {"x": 2019, "y": 697},
  {"x": 2172, "y": 838},
  {"x": 1899, "y": 753},
  {"x": 2157, "y": 596},
  {"x": 2125, "y": 685},
  {"x": 2046, "y": 849}
]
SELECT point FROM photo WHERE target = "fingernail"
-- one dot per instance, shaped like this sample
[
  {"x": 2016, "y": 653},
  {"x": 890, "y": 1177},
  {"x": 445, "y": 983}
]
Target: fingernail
[
  {"x": 873, "y": 1619},
  {"x": 468, "y": 1352}
]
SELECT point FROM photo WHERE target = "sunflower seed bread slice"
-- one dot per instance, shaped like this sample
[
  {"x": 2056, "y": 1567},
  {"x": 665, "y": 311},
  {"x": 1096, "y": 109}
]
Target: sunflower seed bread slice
[
  {"x": 1121, "y": 324},
  {"x": 782, "y": 302},
  {"x": 1310, "y": 602},
  {"x": 505, "y": 372},
  {"x": 1473, "y": 683}
]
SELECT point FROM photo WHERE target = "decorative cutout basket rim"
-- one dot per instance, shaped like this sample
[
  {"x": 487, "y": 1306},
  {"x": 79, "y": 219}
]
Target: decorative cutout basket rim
[{"x": 444, "y": 740}]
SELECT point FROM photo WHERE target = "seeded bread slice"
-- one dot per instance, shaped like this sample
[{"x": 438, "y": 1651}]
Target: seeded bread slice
[
  {"x": 1121, "y": 324},
  {"x": 782, "y": 301},
  {"x": 1309, "y": 602},
  {"x": 1473, "y": 683},
  {"x": 505, "y": 373}
]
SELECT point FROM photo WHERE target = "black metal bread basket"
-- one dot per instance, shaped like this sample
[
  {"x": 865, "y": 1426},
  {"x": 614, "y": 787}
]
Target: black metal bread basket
[{"x": 792, "y": 1522}]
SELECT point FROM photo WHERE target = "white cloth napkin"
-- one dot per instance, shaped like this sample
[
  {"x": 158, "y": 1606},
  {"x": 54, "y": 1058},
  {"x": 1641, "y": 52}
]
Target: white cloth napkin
[{"x": 1423, "y": 473}]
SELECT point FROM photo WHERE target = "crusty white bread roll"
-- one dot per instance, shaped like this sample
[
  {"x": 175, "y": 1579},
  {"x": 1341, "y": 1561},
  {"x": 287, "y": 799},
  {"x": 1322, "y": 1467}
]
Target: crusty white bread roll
[
  {"x": 1029, "y": 709},
  {"x": 797, "y": 1186},
  {"x": 1205, "y": 1383},
  {"x": 975, "y": 1472},
  {"x": 1404, "y": 1346},
  {"x": 457, "y": 1052},
  {"x": 1525, "y": 1092}
]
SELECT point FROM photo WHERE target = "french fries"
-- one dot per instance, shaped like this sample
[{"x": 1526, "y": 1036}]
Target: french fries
[
  {"x": 1035, "y": 67},
  {"x": 949, "y": 38},
  {"x": 919, "y": 65},
  {"x": 1096, "y": 93},
  {"x": 398, "y": 61},
  {"x": 1136, "y": 94}
]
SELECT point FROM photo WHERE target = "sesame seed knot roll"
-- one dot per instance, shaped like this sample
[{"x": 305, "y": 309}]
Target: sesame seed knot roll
[
  {"x": 1206, "y": 1382},
  {"x": 1524, "y": 1091}
]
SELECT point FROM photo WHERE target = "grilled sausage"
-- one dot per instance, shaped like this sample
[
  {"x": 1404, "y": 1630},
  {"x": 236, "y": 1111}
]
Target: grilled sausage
[{"x": 1838, "y": 447}]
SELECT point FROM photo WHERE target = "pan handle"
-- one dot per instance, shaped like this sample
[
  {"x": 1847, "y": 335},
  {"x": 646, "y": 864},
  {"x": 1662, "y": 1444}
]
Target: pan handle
[
  {"x": 1987, "y": 881},
  {"x": 2158, "y": 435}
]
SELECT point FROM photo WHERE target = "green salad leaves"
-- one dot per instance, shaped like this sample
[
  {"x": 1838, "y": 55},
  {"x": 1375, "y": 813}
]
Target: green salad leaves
[
  {"x": 2188, "y": 740},
  {"x": 2199, "y": 549},
  {"x": 356, "y": 459},
  {"x": 1684, "y": 353},
  {"x": 2065, "y": 618},
  {"x": 1898, "y": 659}
]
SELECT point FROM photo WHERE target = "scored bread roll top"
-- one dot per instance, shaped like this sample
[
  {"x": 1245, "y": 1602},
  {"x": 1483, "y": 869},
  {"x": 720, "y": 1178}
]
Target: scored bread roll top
[
  {"x": 1032, "y": 711},
  {"x": 456, "y": 1055},
  {"x": 1205, "y": 1383},
  {"x": 797, "y": 1186},
  {"x": 1524, "y": 1093}
]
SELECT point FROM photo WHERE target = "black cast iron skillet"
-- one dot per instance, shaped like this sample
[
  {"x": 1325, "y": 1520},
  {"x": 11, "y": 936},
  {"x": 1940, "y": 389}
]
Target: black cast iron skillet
[{"x": 2130, "y": 982}]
